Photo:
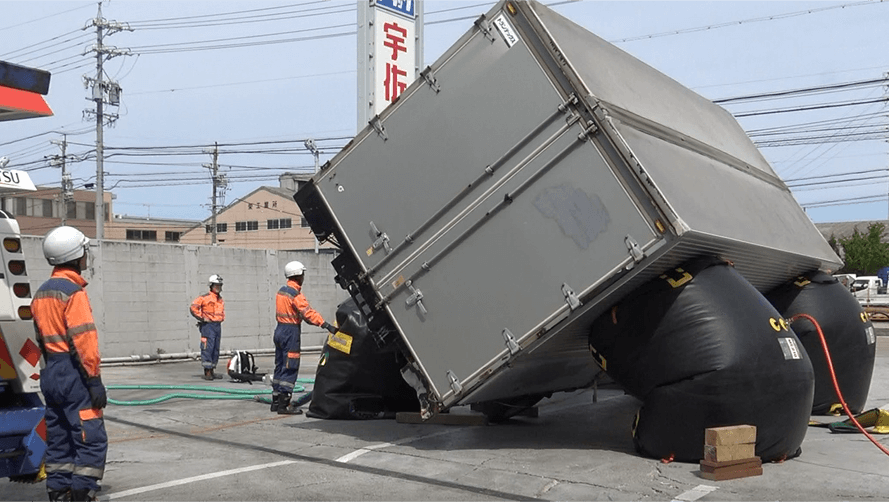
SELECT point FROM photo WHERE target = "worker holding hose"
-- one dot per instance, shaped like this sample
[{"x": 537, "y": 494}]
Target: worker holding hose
[
  {"x": 291, "y": 308},
  {"x": 76, "y": 442},
  {"x": 209, "y": 310}
]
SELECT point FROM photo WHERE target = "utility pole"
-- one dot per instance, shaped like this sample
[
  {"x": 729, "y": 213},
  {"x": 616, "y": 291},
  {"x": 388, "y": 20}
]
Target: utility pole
[
  {"x": 66, "y": 195},
  {"x": 103, "y": 91},
  {"x": 310, "y": 145},
  {"x": 219, "y": 182}
]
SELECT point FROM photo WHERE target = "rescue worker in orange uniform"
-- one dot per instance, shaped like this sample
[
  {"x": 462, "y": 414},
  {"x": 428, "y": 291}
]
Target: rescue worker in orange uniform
[
  {"x": 71, "y": 383},
  {"x": 291, "y": 308},
  {"x": 209, "y": 310}
]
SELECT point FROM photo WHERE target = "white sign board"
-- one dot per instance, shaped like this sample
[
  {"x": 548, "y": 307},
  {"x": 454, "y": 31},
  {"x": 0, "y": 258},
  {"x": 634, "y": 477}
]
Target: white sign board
[
  {"x": 13, "y": 180},
  {"x": 395, "y": 46}
]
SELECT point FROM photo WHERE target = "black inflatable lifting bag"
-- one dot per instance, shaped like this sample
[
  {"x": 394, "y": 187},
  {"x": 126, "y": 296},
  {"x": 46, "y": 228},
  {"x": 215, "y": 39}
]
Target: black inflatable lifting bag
[
  {"x": 849, "y": 334},
  {"x": 364, "y": 384},
  {"x": 705, "y": 354}
]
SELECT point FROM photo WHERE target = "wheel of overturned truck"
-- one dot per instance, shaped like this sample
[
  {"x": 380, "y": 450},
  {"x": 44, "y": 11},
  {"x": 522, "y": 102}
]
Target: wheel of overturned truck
[{"x": 504, "y": 409}]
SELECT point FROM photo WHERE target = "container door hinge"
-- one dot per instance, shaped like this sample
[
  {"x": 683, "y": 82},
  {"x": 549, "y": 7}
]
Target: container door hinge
[
  {"x": 571, "y": 297},
  {"x": 511, "y": 343},
  {"x": 382, "y": 240},
  {"x": 589, "y": 129},
  {"x": 378, "y": 127},
  {"x": 485, "y": 27},
  {"x": 416, "y": 297},
  {"x": 430, "y": 79},
  {"x": 456, "y": 386},
  {"x": 635, "y": 251}
]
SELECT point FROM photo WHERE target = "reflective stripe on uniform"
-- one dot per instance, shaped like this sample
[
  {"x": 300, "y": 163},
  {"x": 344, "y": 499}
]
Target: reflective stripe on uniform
[
  {"x": 90, "y": 413},
  {"x": 79, "y": 330},
  {"x": 86, "y": 470},
  {"x": 63, "y": 468},
  {"x": 293, "y": 355}
]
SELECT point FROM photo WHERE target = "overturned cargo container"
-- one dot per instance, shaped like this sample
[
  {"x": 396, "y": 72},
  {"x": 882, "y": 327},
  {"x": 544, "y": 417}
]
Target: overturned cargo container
[{"x": 534, "y": 177}]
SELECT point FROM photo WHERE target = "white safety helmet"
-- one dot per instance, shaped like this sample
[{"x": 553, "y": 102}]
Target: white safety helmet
[
  {"x": 215, "y": 279},
  {"x": 64, "y": 244},
  {"x": 294, "y": 268}
]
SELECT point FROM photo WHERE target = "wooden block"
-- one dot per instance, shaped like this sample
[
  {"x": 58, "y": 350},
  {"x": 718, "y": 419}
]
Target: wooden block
[
  {"x": 722, "y": 475},
  {"x": 727, "y": 452},
  {"x": 733, "y": 434},
  {"x": 405, "y": 417},
  {"x": 729, "y": 465}
]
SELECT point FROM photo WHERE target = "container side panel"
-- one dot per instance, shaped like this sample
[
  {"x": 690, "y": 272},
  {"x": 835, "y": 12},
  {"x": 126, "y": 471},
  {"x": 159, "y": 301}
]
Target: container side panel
[
  {"x": 437, "y": 143},
  {"x": 621, "y": 80},
  {"x": 716, "y": 199},
  {"x": 568, "y": 226}
]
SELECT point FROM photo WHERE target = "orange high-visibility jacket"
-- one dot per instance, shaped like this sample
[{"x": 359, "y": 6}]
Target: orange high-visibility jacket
[
  {"x": 291, "y": 306},
  {"x": 63, "y": 317},
  {"x": 209, "y": 307}
]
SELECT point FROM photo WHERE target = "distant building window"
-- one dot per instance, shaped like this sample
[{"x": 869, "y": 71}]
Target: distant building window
[
  {"x": 47, "y": 208},
  {"x": 172, "y": 236},
  {"x": 272, "y": 224},
  {"x": 281, "y": 223},
  {"x": 252, "y": 225},
  {"x": 141, "y": 235},
  {"x": 71, "y": 210},
  {"x": 21, "y": 206},
  {"x": 240, "y": 226},
  {"x": 304, "y": 222},
  {"x": 90, "y": 210},
  {"x": 221, "y": 228},
  {"x": 286, "y": 223}
]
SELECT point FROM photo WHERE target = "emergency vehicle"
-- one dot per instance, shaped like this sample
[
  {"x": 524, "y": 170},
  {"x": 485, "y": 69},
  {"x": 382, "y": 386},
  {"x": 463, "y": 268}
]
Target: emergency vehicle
[{"x": 22, "y": 424}]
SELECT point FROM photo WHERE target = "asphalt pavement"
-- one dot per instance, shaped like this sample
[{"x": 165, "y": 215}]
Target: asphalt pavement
[{"x": 579, "y": 447}]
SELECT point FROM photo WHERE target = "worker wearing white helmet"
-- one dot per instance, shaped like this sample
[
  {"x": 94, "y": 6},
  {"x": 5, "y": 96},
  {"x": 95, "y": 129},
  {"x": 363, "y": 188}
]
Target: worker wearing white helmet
[
  {"x": 209, "y": 310},
  {"x": 76, "y": 442},
  {"x": 291, "y": 308}
]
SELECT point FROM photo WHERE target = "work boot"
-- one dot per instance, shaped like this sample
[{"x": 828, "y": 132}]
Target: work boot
[
  {"x": 214, "y": 375},
  {"x": 60, "y": 495},
  {"x": 275, "y": 398},
  {"x": 208, "y": 374},
  {"x": 84, "y": 494},
  {"x": 285, "y": 407}
]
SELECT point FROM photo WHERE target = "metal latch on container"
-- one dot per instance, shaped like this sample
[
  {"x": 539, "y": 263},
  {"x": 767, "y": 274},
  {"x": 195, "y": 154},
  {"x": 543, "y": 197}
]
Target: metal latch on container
[
  {"x": 485, "y": 27},
  {"x": 430, "y": 79},
  {"x": 382, "y": 240},
  {"x": 416, "y": 297},
  {"x": 511, "y": 343},
  {"x": 378, "y": 127},
  {"x": 455, "y": 382},
  {"x": 633, "y": 246},
  {"x": 571, "y": 297}
]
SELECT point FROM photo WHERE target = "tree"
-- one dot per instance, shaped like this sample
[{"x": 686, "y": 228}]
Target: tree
[{"x": 865, "y": 253}]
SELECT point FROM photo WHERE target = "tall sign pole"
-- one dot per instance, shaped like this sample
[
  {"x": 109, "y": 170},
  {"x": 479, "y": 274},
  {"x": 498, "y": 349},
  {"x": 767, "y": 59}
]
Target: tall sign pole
[{"x": 390, "y": 53}]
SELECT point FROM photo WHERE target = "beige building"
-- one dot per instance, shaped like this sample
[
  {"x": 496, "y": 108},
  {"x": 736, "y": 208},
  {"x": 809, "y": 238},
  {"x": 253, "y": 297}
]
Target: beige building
[
  {"x": 39, "y": 211},
  {"x": 266, "y": 218},
  {"x": 129, "y": 228}
]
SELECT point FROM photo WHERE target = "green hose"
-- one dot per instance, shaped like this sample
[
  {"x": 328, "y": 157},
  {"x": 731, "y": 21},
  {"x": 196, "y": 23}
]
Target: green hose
[{"x": 242, "y": 394}]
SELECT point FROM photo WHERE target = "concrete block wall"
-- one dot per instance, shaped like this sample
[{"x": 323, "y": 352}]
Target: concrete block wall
[{"x": 140, "y": 293}]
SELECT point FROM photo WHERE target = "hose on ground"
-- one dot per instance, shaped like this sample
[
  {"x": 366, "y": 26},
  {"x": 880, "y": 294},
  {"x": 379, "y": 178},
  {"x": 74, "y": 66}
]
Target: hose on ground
[
  {"x": 836, "y": 385},
  {"x": 220, "y": 393}
]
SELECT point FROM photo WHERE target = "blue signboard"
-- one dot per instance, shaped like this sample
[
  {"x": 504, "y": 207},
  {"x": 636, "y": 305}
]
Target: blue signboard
[{"x": 403, "y": 7}]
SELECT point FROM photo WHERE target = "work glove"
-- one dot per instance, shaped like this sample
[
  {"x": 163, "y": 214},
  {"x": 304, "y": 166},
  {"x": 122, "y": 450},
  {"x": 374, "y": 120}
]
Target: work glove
[
  {"x": 329, "y": 327},
  {"x": 98, "y": 398}
]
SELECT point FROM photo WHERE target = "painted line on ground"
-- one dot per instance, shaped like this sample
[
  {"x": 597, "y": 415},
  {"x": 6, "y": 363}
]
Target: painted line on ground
[
  {"x": 361, "y": 451},
  {"x": 185, "y": 481},
  {"x": 695, "y": 493}
]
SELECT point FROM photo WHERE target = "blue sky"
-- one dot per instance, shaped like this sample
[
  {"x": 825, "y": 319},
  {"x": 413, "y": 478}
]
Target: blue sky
[{"x": 261, "y": 100}]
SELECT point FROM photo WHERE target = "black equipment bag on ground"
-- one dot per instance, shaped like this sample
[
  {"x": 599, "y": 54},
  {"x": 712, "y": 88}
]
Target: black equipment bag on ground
[
  {"x": 242, "y": 368},
  {"x": 701, "y": 347},
  {"x": 849, "y": 334},
  {"x": 355, "y": 379}
]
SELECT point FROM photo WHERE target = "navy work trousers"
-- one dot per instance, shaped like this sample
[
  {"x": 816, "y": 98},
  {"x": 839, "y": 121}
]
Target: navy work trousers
[
  {"x": 76, "y": 442},
  {"x": 211, "y": 333},
  {"x": 286, "y": 358}
]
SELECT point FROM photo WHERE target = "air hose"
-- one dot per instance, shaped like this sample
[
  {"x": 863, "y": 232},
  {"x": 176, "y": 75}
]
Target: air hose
[
  {"x": 222, "y": 393},
  {"x": 836, "y": 385}
]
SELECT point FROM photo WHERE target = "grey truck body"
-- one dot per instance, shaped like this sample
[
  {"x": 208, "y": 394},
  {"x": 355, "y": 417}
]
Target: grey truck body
[{"x": 533, "y": 177}]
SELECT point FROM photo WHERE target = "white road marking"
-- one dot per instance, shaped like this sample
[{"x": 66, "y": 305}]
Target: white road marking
[
  {"x": 357, "y": 453},
  {"x": 184, "y": 481},
  {"x": 695, "y": 493}
]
